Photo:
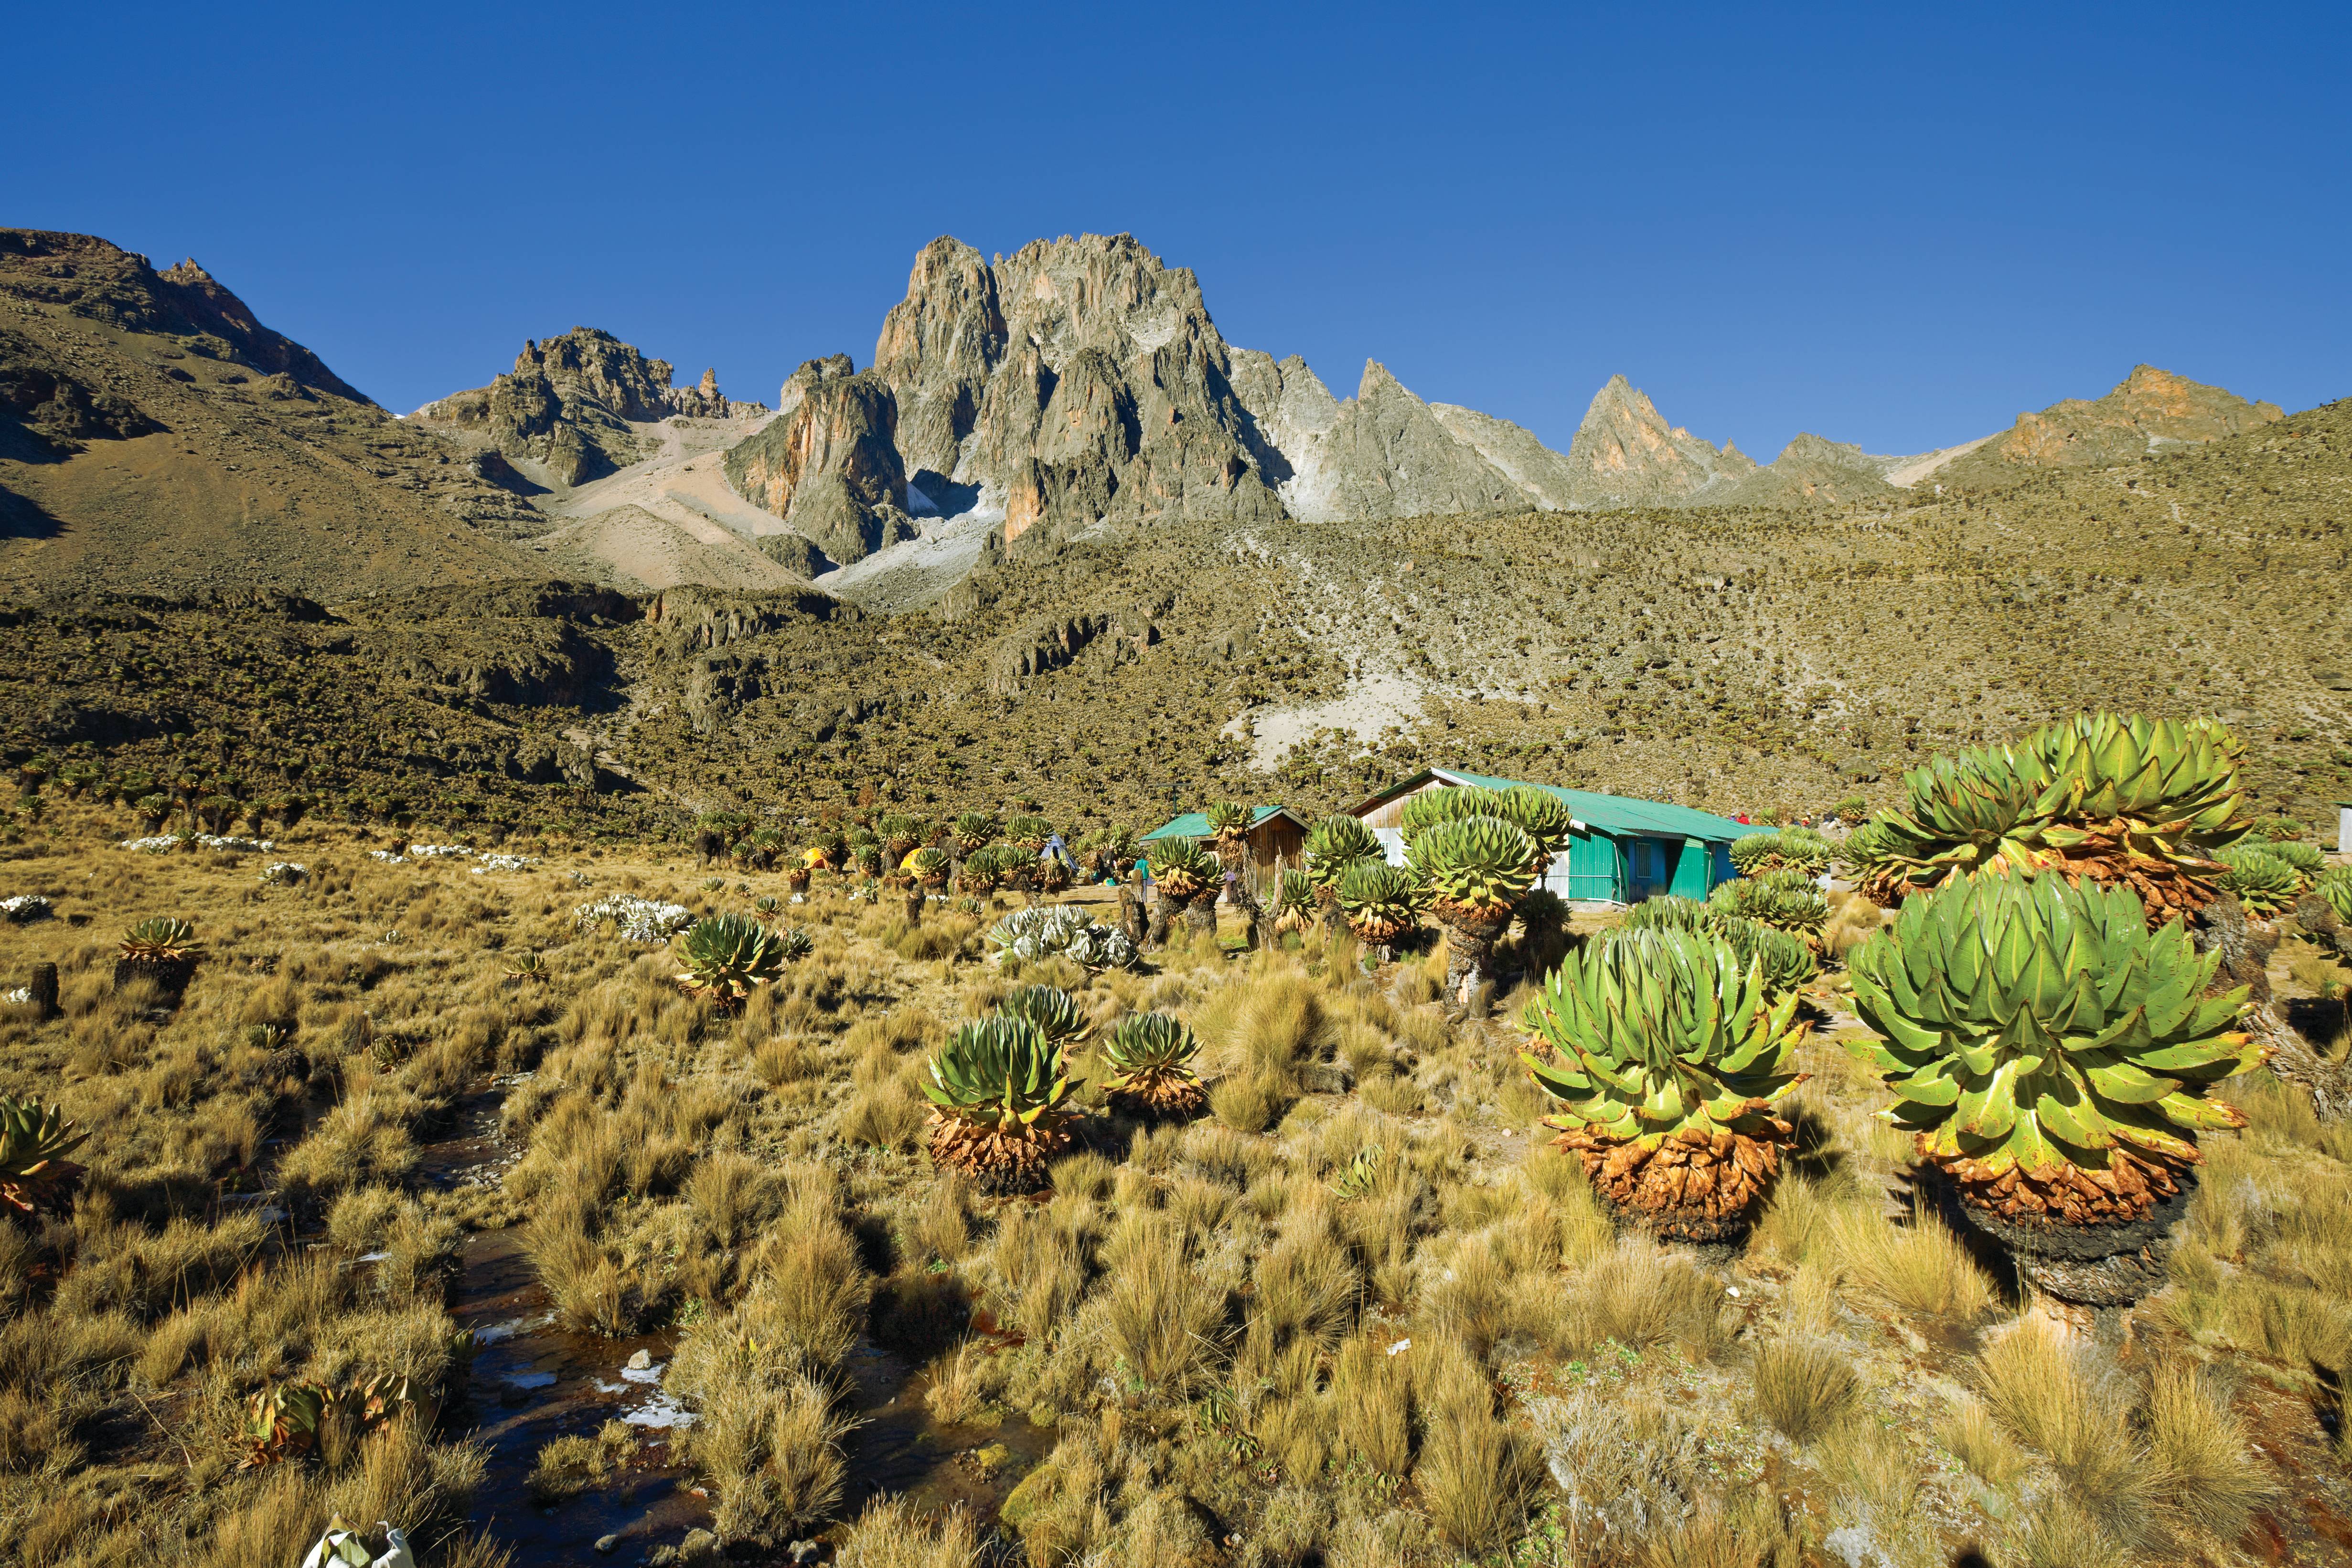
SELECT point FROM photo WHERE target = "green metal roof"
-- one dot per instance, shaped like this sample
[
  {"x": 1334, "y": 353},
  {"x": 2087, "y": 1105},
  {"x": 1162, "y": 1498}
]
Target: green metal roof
[
  {"x": 1614, "y": 814},
  {"x": 1195, "y": 824}
]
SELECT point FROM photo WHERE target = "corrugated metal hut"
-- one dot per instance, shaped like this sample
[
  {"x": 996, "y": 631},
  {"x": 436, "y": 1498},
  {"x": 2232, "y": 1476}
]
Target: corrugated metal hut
[
  {"x": 1278, "y": 837},
  {"x": 1622, "y": 850}
]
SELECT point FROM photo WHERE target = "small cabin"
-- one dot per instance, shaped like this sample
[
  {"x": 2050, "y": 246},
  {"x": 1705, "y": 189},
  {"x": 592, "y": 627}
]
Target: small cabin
[
  {"x": 1277, "y": 838},
  {"x": 1620, "y": 851}
]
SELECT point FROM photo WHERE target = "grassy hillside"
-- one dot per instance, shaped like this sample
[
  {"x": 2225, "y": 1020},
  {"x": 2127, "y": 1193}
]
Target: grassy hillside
[
  {"x": 155, "y": 438},
  {"x": 1729, "y": 658}
]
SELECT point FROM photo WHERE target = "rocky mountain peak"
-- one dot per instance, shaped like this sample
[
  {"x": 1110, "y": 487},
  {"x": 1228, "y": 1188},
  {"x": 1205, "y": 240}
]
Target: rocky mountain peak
[
  {"x": 2148, "y": 410},
  {"x": 1624, "y": 454},
  {"x": 1074, "y": 380},
  {"x": 566, "y": 409},
  {"x": 829, "y": 465}
]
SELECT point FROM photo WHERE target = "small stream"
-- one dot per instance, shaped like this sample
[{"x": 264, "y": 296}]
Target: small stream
[{"x": 533, "y": 1380}]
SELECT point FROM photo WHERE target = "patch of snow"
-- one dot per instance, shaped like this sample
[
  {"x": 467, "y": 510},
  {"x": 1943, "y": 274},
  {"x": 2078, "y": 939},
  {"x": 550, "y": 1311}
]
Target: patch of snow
[
  {"x": 661, "y": 1413},
  {"x": 529, "y": 1379},
  {"x": 26, "y": 908},
  {"x": 511, "y": 1327}
]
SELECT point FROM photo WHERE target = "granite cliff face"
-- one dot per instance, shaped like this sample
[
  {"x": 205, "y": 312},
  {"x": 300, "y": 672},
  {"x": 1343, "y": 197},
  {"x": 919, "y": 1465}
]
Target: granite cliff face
[
  {"x": 1625, "y": 454},
  {"x": 829, "y": 465},
  {"x": 1381, "y": 454},
  {"x": 567, "y": 406},
  {"x": 1075, "y": 380}
]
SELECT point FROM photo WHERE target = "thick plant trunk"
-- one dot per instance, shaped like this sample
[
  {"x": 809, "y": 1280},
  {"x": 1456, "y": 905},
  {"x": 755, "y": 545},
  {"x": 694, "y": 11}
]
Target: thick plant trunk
[
  {"x": 915, "y": 905},
  {"x": 1237, "y": 890},
  {"x": 2221, "y": 927},
  {"x": 1163, "y": 910},
  {"x": 1130, "y": 916},
  {"x": 1200, "y": 913},
  {"x": 1470, "y": 970}
]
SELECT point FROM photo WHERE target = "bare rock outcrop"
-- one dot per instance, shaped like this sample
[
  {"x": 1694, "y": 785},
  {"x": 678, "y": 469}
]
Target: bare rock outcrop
[
  {"x": 1625, "y": 454},
  {"x": 1381, "y": 454},
  {"x": 1077, "y": 380},
  {"x": 1544, "y": 474},
  {"x": 830, "y": 464},
  {"x": 570, "y": 404},
  {"x": 2148, "y": 410},
  {"x": 1813, "y": 472}
]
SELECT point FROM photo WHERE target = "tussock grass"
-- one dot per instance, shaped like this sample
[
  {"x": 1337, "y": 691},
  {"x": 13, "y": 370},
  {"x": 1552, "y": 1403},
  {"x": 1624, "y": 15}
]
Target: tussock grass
[
  {"x": 2050, "y": 1395},
  {"x": 1978, "y": 1441},
  {"x": 2206, "y": 1473},
  {"x": 1371, "y": 1396},
  {"x": 1476, "y": 1472},
  {"x": 1801, "y": 1387},
  {"x": 1920, "y": 1267},
  {"x": 890, "y": 1533},
  {"x": 1642, "y": 1296},
  {"x": 1162, "y": 1315},
  {"x": 569, "y": 1465}
]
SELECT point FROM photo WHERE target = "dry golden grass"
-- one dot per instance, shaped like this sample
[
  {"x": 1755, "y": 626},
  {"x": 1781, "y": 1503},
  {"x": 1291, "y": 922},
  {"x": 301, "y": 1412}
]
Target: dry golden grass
[
  {"x": 1801, "y": 1388},
  {"x": 1203, "y": 1315},
  {"x": 1919, "y": 1267}
]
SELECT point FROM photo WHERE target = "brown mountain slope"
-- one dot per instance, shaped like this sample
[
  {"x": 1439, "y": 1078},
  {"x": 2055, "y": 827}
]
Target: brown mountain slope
[
  {"x": 155, "y": 437},
  {"x": 2149, "y": 411}
]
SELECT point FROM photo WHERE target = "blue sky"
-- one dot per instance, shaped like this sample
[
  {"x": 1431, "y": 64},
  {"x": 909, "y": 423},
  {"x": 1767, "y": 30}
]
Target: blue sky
[{"x": 1896, "y": 226}]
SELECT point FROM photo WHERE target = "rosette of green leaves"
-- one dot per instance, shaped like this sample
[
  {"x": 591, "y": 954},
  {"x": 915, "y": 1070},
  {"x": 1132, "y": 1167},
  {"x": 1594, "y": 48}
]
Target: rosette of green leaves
[
  {"x": 1184, "y": 868},
  {"x": 1650, "y": 1031},
  {"x": 1147, "y": 1046},
  {"x": 726, "y": 956},
  {"x": 2335, "y": 886},
  {"x": 2258, "y": 878},
  {"x": 1752, "y": 853},
  {"x": 1787, "y": 900},
  {"x": 1786, "y": 962},
  {"x": 2305, "y": 859},
  {"x": 1802, "y": 848},
  {"x": 1297, "y": 892},
  {"x": 1029, "y": 831},
  {"x": 1473, "y": 867},
  {"x": 999, "y": 1070},
  {"x": 1451, "y": 804},
  {"x": 1149, "y": 1042},
  {"x": 1380, "y": 901},
  {"x": 35, "y": 1140},
  {"x": 2024, "y": 1022},
  {"x": 972, "y": 829},
  {"x": 1055, "y": 1012},
  {"x": 1543, "y": 816},
  {"x": 159, "y": 938},
  {"x": 1333, "y": 844}
]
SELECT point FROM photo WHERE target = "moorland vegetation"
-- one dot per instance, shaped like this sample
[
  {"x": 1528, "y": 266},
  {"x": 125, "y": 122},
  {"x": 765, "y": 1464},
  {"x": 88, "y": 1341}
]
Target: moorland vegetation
[{"x": 1411, "y": 1219}]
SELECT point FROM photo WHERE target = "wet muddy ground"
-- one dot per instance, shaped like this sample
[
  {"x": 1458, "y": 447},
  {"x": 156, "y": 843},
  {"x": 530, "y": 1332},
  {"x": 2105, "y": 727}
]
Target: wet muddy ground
[{"x": 533, "y": 1380}]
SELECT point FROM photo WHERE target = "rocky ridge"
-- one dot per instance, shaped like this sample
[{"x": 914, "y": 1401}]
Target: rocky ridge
[
  {"x": 156, "y": 437},
  {"x": 564, "y": 413},
  {"x": 829, "y": 465},
  {"x": 2149, "y": 411}
]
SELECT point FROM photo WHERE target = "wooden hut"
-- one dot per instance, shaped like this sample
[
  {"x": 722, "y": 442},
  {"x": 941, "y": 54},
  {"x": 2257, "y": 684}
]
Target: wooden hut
[
  {"x": 1276, "y": 840},
  {"x": 1621, "y": 851}
]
